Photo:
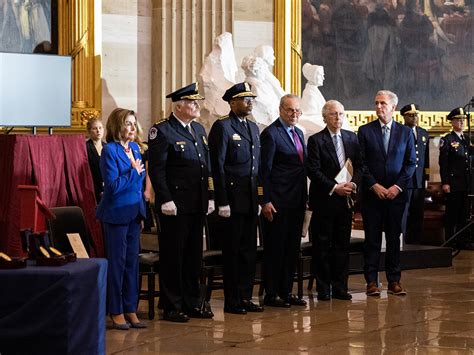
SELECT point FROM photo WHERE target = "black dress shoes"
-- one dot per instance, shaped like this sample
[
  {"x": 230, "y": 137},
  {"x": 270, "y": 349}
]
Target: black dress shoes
[
  {"x": 249, "y": 306},
  {"x": 235, "y": 310},
  {"x": 137, "y": 325},
  {"x": 175, "y": 316},
  {"x": 323, "y": 296},
  {"x": 197, "y": 313},
  {"x": 345, "y": 296},
  {"x": 295, "y": 301},
  {"x": 276, "y": 302}
]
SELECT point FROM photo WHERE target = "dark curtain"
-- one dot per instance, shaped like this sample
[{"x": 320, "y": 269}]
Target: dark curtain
[{"x": 58, "y": 166}]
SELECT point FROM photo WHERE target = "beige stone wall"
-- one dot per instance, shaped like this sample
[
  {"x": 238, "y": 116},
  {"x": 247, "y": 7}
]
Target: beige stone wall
[
  {"x": 253, "y": 26},
  {"x": 126, "y": 57}
]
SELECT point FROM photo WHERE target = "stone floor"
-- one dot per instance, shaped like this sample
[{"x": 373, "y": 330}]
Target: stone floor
[{"x": 436, "y": 316}]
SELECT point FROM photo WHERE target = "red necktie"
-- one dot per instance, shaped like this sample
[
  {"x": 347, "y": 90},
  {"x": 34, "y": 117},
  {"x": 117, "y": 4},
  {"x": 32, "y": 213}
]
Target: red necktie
[{"x": 299, "y": 147}]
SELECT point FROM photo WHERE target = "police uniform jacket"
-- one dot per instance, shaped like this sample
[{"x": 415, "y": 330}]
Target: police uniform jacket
[
  {"x": 422, "y": 170},
  {"x": 235, "y": 156},
  {"x": 453, "y": 162},
  {"x": 179, "y": 166}
]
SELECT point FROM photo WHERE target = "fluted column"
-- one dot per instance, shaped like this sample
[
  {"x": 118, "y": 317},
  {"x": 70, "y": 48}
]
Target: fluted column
[{"x": 183, "y": 32}]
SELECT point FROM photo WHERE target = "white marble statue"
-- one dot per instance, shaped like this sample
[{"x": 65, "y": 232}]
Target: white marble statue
[
  {"x": 268, "y": 55},
  {"x": 313, "y": 101},
  {"x": 265, "y": 107},
  {"x": 218, "y": 73}
]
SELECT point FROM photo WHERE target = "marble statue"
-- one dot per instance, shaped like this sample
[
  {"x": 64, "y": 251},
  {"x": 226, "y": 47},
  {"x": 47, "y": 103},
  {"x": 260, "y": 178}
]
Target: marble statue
[
  {"x": 218, "y": 73},
  {"x": 312, "y": 101},
  {"x": 265, "y": 107}
]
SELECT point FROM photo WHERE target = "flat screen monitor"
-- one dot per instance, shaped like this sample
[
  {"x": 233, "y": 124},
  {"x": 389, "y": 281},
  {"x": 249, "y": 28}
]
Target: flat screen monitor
[{"x": 35, "y": 90}]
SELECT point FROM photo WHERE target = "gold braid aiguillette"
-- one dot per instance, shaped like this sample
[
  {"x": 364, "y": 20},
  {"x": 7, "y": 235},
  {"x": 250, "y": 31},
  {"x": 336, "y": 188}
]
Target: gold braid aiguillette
[{"x": 44, "y": 252}]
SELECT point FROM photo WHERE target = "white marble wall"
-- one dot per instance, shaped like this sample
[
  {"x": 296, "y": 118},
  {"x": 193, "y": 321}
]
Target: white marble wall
[{"x": 126, "y": 57}]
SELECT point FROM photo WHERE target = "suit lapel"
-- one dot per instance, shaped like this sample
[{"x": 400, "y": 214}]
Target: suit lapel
[
  {"x": 284, "y": 135},
  {"x": 328, "y": 143},
  {"x": 179, "y": 128},
  {"x": 377, "y": 128}
]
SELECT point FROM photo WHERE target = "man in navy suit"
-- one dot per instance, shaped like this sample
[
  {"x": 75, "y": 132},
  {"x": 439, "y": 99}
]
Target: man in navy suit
[
  {"x": 413, "y": 216},
  {"x": 283, "y": 178},
  {"x": 179, "y": 170},
  {"x": 235, "y": 156},
  {"x": 388, "y": 152},
  {"x": 331, "y": 202}
]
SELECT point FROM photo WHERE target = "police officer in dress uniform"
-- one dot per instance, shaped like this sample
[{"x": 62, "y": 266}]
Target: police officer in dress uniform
[
  {"x": 412, "y": 223},
  {"x": 235, "y": 155},
  {"x": 179, "y": 169},
  {"x": 454, "y": 171}
]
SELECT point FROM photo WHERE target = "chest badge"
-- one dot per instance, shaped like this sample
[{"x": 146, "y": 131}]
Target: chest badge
[
  {"x": 455, "y": 145},
  {"x": 236, "y": 137}
]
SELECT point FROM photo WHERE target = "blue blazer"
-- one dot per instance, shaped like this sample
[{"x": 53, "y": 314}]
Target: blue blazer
[
  {"x": 396, "y": 167},
  {"x": 122, "y": 200},
  {"x": 282, "y": 174}
]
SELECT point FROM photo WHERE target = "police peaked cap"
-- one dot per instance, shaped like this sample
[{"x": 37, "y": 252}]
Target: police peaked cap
[
  {"x": 189, "y": 92},
  {"x": 409, "y": 109},
  {"x": 238, "y": 90},
  {"x": 458, "y": 112}
]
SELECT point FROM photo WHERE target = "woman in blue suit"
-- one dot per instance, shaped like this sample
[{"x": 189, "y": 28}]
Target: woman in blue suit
[{"x": 121, "y": 211}]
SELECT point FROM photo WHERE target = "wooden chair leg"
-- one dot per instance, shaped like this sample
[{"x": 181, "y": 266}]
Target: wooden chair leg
[
  {"x": 151, "y": 295},
  {"x": 300, "y": 276}
]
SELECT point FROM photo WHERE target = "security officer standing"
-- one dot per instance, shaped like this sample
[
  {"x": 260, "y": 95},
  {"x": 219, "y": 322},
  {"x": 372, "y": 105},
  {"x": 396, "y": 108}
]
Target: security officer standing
[
  {"x": 412, "y": 223},
  {"x": 454, "y": 171},
  {"x": 179, "y": 170},
  {"x": 235, "y": 156}
]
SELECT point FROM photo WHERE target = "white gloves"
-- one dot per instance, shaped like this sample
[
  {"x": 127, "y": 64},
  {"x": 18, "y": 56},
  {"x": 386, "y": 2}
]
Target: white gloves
[
  {"x": 211, "y": 207},
  {"x": 169, "y": 209},
  {"x": 259, "y": 210},
  {"x": 224, "y": 211}
]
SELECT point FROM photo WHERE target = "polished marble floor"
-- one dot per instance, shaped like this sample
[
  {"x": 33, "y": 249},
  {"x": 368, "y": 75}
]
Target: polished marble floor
[{"x": 436, "y": 316}]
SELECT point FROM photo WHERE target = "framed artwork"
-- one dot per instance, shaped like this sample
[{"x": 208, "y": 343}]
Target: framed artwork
[
  {"x": 29, "y": 26},
  {"x": 423, "y": 50}
]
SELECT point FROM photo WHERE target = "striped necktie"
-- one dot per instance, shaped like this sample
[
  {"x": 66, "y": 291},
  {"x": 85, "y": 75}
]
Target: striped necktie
[{"x": 340, "y": 154}]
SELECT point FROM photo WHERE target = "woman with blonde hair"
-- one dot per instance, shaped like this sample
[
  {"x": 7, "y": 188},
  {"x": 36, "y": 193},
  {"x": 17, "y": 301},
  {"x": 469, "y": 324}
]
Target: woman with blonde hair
[
  {"x": 94, "y": 147},
  {"x": 121, "y": 210}
]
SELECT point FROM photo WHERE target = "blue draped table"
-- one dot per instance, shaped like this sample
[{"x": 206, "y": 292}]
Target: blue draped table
[{"x": 57, "y": 310}]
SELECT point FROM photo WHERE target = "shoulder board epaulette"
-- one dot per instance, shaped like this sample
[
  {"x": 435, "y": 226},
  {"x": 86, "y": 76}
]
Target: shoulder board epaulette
[
  {"x": 223, "y": 117},
  {"x": 162, "y": 121}
]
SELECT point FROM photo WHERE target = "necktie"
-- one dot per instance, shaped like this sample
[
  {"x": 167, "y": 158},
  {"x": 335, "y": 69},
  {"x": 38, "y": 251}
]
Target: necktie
[
  {"x": 386, "y": 137},
  {"x": 190, "y": 130},
  {"x": 339, "y": 152},
  {"x": 298, "y": 146}
]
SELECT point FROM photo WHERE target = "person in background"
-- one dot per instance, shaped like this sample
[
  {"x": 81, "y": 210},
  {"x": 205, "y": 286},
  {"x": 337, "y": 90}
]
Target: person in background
[
  {"x": 331, "y": 202},
  {"x": 283, "y": 178},
  {"x": 179, "y": 170},
  {"x": 234, "y": 143},
  {"x": 121, "y": 211},
  {"x": 412, "y": 224},
  {"x": 454, "y": 172},
  {"x": 94, "y": 147}
]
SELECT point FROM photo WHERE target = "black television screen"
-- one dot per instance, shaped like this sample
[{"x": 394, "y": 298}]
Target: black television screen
[{"x": 35, "y": 90}]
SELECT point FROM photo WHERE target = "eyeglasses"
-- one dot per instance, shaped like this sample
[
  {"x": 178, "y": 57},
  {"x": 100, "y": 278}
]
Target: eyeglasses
[
  {"x": 337, "y": 114},
  {"x": 292, "y": 111},
  {"x": 248, "y": 99}
]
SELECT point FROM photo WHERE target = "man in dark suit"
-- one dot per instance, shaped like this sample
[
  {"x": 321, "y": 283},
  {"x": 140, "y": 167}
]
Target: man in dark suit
[
  {"x": 412, "y": 224},
  {"x": 388, "y": 152},
  {"x": 330, "y": 200},
  {"x": 179, "y": 170},
  {"x": 454, "y": 171},
  {"x": 235, "y": 155},
  {"x": 283, "y": 178}
]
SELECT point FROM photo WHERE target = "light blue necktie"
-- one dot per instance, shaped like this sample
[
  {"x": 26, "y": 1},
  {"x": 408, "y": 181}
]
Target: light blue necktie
[
  {"x": 339, "y": 152},
  {"x": 386, "y": 137}
]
